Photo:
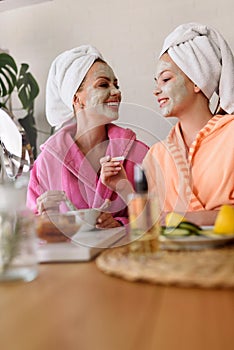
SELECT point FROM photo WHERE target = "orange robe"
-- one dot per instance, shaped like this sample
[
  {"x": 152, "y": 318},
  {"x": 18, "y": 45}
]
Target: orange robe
[{"x": 201, "y": 178}]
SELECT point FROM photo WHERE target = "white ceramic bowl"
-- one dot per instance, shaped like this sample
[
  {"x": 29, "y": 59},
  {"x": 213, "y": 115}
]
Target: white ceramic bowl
[{"x": 87, "y": 218}]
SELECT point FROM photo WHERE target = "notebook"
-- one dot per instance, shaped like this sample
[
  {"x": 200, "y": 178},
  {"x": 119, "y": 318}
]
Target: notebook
[{"x": 84, "y": 246}]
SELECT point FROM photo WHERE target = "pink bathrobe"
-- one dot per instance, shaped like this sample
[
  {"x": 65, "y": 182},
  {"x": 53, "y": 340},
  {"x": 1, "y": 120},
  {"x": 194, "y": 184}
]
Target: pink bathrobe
[
  {"x": 62, "y": 166},
  {"x": 200, "y": 179}
]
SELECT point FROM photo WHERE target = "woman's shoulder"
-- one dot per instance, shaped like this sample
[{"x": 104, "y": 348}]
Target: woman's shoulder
[
  {"x": 60, "y": 137},
  {"x": 116, "y": 131},
  {"x": 158, "y": 147},
  {"x": 126, "y": 133},
  {"x": 224, "y": 122}
]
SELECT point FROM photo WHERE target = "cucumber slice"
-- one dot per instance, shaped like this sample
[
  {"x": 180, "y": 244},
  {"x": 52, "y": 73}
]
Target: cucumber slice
[
  {"x": 175, "y": 231},
  {"x": 184, "y": 228},
  {"x": 193, "y": 228}
]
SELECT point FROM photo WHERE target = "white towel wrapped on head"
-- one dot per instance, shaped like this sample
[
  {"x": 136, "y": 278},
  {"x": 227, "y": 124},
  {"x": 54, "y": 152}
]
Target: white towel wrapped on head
[
  {"x": 205, "y": 57},
  {"x": 65, "y": 76}
]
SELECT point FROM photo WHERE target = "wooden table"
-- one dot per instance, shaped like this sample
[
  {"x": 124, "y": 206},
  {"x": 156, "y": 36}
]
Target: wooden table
[{"x": 76, "y": 306}]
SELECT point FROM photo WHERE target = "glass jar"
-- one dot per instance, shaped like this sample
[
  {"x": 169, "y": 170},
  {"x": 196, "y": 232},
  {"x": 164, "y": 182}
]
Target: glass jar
[
  {"x": 18, "y": 257},
  {"x": 144, "y": 223}
]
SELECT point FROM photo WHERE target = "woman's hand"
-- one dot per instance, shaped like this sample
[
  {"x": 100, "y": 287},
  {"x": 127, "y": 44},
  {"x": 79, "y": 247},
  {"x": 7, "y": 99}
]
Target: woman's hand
[
  {"x": 50, "y": 201},
  {"x": 112, "y": 172},
  {"x": 202, "y": 217},
  {"x": 106, "y": 220},
  {"x": 113, "y": 175}
]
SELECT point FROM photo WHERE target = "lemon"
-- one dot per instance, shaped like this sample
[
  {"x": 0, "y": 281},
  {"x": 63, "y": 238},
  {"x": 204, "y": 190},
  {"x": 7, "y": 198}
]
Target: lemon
[
  {"x": 224, "y": 223},
  {"x": 174, "y": 219}
]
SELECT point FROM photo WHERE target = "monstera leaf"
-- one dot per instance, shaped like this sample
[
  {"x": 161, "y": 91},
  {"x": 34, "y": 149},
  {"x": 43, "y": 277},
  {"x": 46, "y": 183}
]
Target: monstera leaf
[
  {"x": 22, "y": 84},
  {"x": 23, "y": 81},
  {"x": 8, "y": 75},
  {"x": 27, "y": 87}
]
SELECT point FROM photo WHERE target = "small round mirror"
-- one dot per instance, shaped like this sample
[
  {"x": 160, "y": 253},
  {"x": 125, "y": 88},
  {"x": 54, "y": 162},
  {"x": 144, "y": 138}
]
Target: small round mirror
[{"x": 15, "y": 150}]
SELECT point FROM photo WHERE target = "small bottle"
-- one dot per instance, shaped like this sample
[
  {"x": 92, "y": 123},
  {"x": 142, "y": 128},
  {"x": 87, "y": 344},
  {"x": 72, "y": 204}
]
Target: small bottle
[{"x": 143, "y": 217}]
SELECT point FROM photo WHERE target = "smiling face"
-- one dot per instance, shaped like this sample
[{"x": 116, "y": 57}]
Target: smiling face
[
  {"x": 100, "y": 92},
  {"x": 173, "y": 88}
]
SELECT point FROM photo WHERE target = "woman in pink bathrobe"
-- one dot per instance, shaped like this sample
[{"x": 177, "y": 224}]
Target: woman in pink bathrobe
[
  {"x": 192, "y": 171},
  {"x": 80, "y": 83}
]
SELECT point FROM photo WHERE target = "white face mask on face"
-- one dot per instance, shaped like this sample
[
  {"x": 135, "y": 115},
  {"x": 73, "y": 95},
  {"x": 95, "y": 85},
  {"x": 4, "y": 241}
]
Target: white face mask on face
[
  {"x": 172, "y": 86},
  {"x": 102, "y": 94}
]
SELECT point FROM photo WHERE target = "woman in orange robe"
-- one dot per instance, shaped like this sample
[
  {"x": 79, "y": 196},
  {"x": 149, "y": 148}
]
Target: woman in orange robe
[{"x": 193, "y": 169}]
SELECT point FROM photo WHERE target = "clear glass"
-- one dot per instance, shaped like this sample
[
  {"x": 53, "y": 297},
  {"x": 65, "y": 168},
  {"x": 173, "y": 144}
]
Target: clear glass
[
  {"x": 18, "y": 257},
  {"x": 144, "y": 223}
]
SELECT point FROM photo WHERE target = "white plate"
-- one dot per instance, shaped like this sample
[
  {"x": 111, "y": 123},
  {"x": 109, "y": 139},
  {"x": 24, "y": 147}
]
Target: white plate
[{"x": 195, "y": 242}]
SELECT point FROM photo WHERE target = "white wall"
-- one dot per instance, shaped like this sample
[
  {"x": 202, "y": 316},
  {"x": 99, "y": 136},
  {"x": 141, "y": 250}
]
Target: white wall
[{"x": 129, "y": 33}]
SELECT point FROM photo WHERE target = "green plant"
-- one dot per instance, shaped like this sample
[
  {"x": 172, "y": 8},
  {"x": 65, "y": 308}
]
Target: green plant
[{"x": 19, "y": 83}]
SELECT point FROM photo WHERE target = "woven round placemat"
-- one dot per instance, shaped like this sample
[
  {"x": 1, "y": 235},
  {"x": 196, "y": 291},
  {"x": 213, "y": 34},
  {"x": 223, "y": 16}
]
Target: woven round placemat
[{"x": 205, "y": 268}]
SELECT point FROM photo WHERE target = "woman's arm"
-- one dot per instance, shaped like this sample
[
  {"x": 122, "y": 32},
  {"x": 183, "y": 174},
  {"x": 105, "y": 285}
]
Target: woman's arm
[{"x": 202, "y": 217}]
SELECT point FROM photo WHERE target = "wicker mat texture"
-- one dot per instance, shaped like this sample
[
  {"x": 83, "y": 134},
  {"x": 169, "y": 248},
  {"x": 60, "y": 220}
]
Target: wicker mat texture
[{"x": 212, "y": 268}]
